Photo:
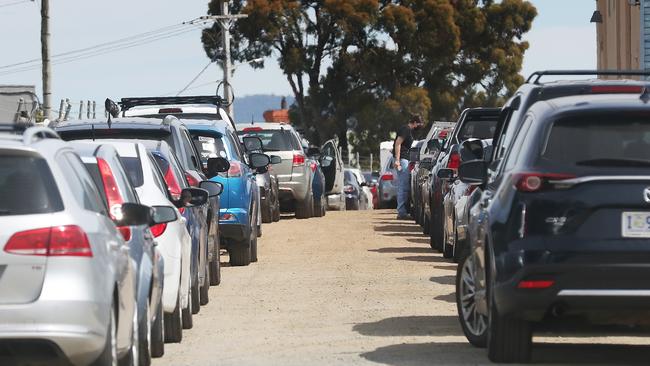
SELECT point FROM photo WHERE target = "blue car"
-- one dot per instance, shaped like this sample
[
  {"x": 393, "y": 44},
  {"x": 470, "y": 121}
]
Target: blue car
[{"x": 239, "y": 214}]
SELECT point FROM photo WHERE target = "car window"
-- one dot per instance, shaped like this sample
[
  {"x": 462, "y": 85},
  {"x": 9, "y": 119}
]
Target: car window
[
  {"x": 513, "y": 154},
  {"x": 27, "y": 186},
  {"x": 158, "y": 179},
  {"x": 81, "y": 184},
  {"x": 477, "y": 129},
  {"x": 133, "y": 167},
  {"x": 235, "y": 146},
  {"x": 190, "y": 154},
  {"x": 274, "y": 140},
  {"x": 329, "y": 150},
  {"x": 210, "y": 146}
]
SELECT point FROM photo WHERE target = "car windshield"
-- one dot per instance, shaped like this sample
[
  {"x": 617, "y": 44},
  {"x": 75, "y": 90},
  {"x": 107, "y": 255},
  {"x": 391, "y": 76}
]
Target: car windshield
[
  {"x": 604, "y": 141},
  {"x": 477, "y": 129},
  {"x": 274, "y": 140},
  {"x": 133, "y": 168},
  {"x": 27, "y": 186},
  {"x": 210, "y": 147}
]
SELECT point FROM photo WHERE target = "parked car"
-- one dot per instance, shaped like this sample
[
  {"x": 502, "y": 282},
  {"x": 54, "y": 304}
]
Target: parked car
[
  {"x": 352, "y": 189},
  {"x": 373, "y": 184},
  {"x": 294, "y": 175},
  {"x": 239, "y": 216},
  {"x": 58, "y": 234},
  {"x": 459, "y": 199},
  {"x": 366, "y": 194},
  {"x": 555, "y": 242},
  {"x": 107, "y": 171},
  {"x": 478, "y": 123},
  {"x": 331, "y": 162},
  {"x": 205, "y": 257},
  {"x": 318, "y": 186}
]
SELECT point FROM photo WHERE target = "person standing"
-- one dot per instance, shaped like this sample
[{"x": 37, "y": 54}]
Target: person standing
[{"x": 401, "y": 149}]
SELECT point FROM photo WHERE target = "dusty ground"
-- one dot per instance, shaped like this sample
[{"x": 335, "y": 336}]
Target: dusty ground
[{"x": 353, "y": 288}]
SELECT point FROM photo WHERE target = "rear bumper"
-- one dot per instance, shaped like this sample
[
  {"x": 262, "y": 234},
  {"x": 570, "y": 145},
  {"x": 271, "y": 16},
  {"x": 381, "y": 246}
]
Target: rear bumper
[
  {"x": 294, "y": 190},
  {"x": 234, "y": 232}
]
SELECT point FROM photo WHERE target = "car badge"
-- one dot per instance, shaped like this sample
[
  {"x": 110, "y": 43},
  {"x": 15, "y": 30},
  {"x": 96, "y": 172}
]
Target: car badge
[{"x": 646, "y": 194}]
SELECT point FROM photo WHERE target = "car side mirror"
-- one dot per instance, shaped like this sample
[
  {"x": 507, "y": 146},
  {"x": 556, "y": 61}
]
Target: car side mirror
[
  {"x": 326, "y": 161},
  {"x": 473, "y": 172},
  {"x": 252, "y": 143},
  {"x": 214, "y": 188},
  {"x": 163, "y": 215},
  {"x": 471, "y": 149},
  {"x": 275, "y": 159},
  {"x": 216, "y": 166},
  {"x": 446, "y": 174},
  {"x": 191, "y": 197},
  {"x": 132, "y": 214},
  {"x": 363, "y": 184},
  {"x": 258, "y": 160},
  {"x": 312, "y": 151}
]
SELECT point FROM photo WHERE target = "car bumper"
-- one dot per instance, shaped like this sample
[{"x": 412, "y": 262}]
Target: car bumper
[
  {"x": 335, "y": 201},
  {"x": 234, "y": 232},
  {"x": 294, "y": 190}
]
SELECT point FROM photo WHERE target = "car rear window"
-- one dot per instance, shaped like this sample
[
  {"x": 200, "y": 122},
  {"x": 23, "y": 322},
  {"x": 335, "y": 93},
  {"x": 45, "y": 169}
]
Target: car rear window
[
  {"x": 27, "y": 186},
  {"x": 210, "y": 147},
  {"x": 133, "y": 167},
  {"x": 274, "y": 140},
  {"x": 477, "y": 129},
  {"x": 599, "y": 141}
]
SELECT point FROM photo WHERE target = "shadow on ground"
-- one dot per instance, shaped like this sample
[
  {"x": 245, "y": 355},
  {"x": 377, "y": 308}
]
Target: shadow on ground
[
  {"x": 420, "y": 241},
  {"x": 393, "y": 228},
  {"x": 459, "y": 353},
  {"x": 405, "y": 326},
  {"x": 451, "y": 298},
  {"x": 401, "y": 250},
  {"x": 444, "y": 280},
  {"x": 424, "y": 258}
]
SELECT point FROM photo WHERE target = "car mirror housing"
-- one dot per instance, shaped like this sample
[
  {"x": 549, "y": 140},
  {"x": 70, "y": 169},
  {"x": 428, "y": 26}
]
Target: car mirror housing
[
  {"x": 216, "y": 166},
  {"x": 258, "y": 160},
  {"x": 275, "y": 159},
  {"x": 163, "y": 215},
  {"x": 191, "y": 197},
  {"x": 133, "y": 214},
  {"x": 213, "y": 188},
  {"x": 252, "y": 143},
  {"x": 473, "y": 172}
]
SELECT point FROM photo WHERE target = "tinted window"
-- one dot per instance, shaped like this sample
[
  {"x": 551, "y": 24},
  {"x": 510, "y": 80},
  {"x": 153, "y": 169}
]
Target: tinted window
[
  {"x": 515, "y": 150},
  {"x": 80, "y": 183},
  {"x": 274, "y": 140},
  {"x": 210, "y": 147},
  {"x": 477, "y": 129},
  {"x": 602, "y": 141},
  {"x": 190, "y": 155},
  {"x": 27, "y": 186},
  {"x": 133, "y": 167}
]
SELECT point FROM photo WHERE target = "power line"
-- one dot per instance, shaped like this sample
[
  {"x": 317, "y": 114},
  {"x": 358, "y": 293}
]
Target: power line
[
  {"x": 15, "y": 3},
  {"x": 194, "y": 79}
]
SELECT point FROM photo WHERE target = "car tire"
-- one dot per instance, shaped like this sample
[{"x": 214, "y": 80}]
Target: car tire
[
  {"x": 318, "y": 208},
  {"x": 174, "y": 323},
  {"x": 240, "y": 253},
  {"x": 436, "y": 233},
  {"x": 460, "y": 247},
  {"x": 215, "y": 265},
  {"x": 254, "y": 248},
  {"x": 187, "y": 313},
  {"x": 426, "y": 226},
  {"x": 276, "y": 212},
  {"x": 509, "y": 339},
  {"x": 144, "y": 349},
  {"x": 304, "y": 209},
  {"x": 204, "y": 291},
  {"x": 448, "y": 243},
  {"x": 158, "y": 334},
  {"x": 108, "y": 357},
  {"x": 474, "y": 325}
]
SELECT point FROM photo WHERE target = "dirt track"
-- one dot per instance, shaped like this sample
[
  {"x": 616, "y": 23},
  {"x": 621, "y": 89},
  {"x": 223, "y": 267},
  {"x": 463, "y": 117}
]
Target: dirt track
[{"x": 353, "y": 288}]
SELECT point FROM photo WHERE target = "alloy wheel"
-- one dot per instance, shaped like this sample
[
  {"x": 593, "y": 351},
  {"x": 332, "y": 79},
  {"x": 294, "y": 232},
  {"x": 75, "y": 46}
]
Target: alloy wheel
[{"x": 475, "y": 322}]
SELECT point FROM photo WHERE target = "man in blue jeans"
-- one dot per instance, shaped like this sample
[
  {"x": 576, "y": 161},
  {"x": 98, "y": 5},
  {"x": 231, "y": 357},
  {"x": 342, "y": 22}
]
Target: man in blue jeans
[{"x": 401, "y": 148}]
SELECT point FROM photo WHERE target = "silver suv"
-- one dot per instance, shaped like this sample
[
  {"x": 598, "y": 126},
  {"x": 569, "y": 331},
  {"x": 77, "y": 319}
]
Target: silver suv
[
  {"x": 67, "y": 283},
  {"x": 294, "y": 174}
]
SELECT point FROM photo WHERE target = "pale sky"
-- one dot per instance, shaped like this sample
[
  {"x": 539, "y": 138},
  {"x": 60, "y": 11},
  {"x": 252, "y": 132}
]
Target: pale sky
[{"x": 562, "y": 37}]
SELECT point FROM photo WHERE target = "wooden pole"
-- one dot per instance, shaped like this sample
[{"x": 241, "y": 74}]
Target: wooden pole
[{"x": 45, "y": 57}]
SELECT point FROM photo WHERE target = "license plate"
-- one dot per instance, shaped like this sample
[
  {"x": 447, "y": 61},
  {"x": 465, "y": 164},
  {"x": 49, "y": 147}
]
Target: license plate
[{"x": 636, "y": 224}]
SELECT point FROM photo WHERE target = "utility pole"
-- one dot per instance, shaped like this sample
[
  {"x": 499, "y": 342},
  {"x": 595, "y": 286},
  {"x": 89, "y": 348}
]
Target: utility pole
[
  {"x": 225, "y": 21},
  {"x": 45, "y": 58}
]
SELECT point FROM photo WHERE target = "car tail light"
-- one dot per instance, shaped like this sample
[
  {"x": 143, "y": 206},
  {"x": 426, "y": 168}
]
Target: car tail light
[
  {"x": 533, "y": 182},
  {"x": 252, "y": 129},
  {"x": 172, "y": 184},
  {"x": 158, "y": 230},
  {"x": 227, "y": 216},
  {"x": 313, "y": 166},
  {"x": 535, "y": 284},
  {"x": 411, "y": 166},
  {"x": 387, "y": 176},
  {"x": 454, "y": 160},
  {"x": 170, "y": 110},
  {"x": 113, "y": 196},
  {"x": 298, "y": 159},
  {"x": 612, "y": 89},
  {"x": 193, "y": 182},
  {"x": 235, "y": 169},
  {"x": 373, "y": 189},
  {"x": 56, "y": 241},
  {"x": 348, "y": 189}
]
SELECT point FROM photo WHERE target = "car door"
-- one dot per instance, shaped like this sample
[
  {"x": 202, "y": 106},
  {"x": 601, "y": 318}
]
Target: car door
[{"x": 334, "y": 174}]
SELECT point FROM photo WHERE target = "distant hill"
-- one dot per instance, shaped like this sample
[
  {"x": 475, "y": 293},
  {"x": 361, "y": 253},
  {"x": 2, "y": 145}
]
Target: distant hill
[{"x": 253, "y": 106}]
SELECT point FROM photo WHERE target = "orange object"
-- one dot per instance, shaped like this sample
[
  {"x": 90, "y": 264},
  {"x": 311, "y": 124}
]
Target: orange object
[{"x": 276, "y": 115}]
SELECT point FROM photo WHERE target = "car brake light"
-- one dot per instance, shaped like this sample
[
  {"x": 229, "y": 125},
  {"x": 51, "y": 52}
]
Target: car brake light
[
  {"x": 533, "y": 182},
  {"x": 113, "y": 196},
  {"x": 172, "y": 184},
  {"x": 373, "y": 189},
  {"x": 298, "y": 159},
  {"x": 387, "y": 176},
  {"x": 454, "y": 160},
  {"x": 191, "y": 180},
  {"x": 612, "y": 89},
  {"x": 235, "y": 169},
  {"x": 536, "y": 284},
  {"x": 170, "y": 110},
  {"x": 181, "y": 210},
  {"x": 158, "y": 230},
  {"x": 56, "y": 241},
  {"x": 252, "y": 129},
  {"x": 313, "y": 166}
]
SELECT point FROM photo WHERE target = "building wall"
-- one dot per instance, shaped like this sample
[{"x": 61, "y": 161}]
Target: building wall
[{"x": 619, "y": 35}]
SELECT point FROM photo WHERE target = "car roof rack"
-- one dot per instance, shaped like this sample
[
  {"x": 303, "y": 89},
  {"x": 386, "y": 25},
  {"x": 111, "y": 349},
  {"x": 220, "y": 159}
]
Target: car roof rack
[
  {"x": 538, "y": 74},
  {"x": 128, "y": 103}
]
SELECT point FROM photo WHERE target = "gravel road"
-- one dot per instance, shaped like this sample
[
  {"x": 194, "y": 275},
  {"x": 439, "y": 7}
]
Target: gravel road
[{"x": 353, "y": 288}]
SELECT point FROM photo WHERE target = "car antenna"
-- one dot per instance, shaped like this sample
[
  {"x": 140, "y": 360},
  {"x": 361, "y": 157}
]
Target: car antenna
[{"x": 645, "y": 95}]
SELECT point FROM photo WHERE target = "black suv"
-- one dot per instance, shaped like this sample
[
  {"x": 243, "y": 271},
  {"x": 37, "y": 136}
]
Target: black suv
[{"x": 561, "y": 232}]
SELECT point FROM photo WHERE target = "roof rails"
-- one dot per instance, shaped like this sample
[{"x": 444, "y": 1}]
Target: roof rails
[
  {"x": 538, "y": 74},
  {"x": 128, "y": 103}
]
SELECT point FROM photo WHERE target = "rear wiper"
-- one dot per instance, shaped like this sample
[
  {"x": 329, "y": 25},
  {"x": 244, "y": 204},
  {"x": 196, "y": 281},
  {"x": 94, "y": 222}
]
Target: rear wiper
[{"x": 615, "y": 162}]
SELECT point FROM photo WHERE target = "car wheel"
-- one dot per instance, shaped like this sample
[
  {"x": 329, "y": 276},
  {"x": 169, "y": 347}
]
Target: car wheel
[
  {"x": 254, "y": 247},
  {"x": 204, "y": 296},
  {"x": 187, "y": 321},
  {"x": 276, "y": 212},
  {"x": 426, "y": 226},
  {"x": 158, "y": 334},
  {"x": 144, "y": 351},
  {"x": 215, "y": 265},
  {"x": 509, "y": 339},
  {"x": 473, "y": 323},
  {"x": 460, "y": 247},
  {"x": 318, "y": 207},
  {"x": 174, "y": 323},
  {"x": 436, "y": 232},
  {"x": 108, "y": 357},
  {"x": 304, "y": 208},
  {"x": 240, "y": 253},
  {"x": 267, "y": 212},
  {"x": 449, "y": 243},
  {"x": 196, "y": 295}
]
